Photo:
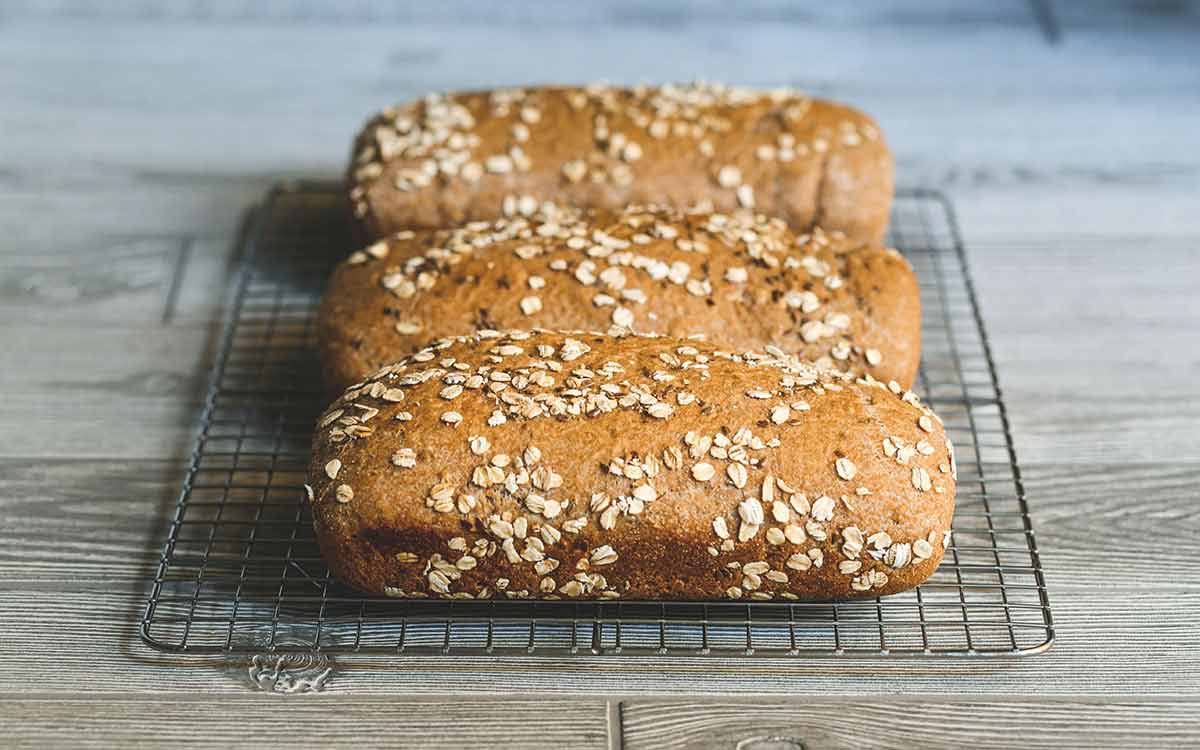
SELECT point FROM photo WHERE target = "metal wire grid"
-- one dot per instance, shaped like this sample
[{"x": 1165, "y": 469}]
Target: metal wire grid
[{"x": 241, "y": 572}]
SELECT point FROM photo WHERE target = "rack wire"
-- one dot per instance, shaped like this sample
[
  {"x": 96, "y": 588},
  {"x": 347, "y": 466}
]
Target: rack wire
[{"x": 241, "y": 572}]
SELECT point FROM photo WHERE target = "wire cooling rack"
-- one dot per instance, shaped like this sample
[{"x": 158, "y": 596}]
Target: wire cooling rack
[{"x": 241, "y": 572}]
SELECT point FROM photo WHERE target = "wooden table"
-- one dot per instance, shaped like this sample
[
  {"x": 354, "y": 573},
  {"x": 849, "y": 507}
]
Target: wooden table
[{"x": 133, "y": 135}]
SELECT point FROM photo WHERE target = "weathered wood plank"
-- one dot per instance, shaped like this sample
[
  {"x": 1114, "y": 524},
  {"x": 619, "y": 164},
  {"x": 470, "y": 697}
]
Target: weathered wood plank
[
  {"x": 1054, "y": 312},
  {"x": 934, "y": 13},
  {"x": 819, "y": 723},
  {"x": 112, "y": 391},
  {"x": 815, "y": 722},
  {"x": 133, "y": 209},
  {"x": 1122, "y": 213},
  {"x": 71, "y": 523},
  {"x": 1112, "y": 643},
  {"x": 133, "y": 281},
  {"x": 932, "y": 104},
  {"x": 1063, "y": 426},
  {"x": 108, "y": 281},
  {"x": 213, "y": 722}
]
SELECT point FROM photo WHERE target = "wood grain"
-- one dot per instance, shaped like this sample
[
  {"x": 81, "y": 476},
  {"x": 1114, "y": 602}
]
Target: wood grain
[
  {"x": 106, "y": 528},
  {"x": 823, "y": 725},
  {"x": 378, "y": 61},
  {"x": 203, "y": 722},
  {"x": 114, "y": 281},
  {"x": 1111, "y": 645},
  {"x": 127, "y": 391}
]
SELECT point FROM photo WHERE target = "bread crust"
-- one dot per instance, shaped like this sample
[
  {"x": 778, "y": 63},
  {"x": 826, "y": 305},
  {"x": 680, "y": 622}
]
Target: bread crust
[
  {"x": 585, "y": 466},
  {"x": 451, "y": 158},
  {"x": 740, "y": 280}
]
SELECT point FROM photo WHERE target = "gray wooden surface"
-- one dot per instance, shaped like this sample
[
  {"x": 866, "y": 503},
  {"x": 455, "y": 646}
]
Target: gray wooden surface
[{"x": 133, "y": 135}]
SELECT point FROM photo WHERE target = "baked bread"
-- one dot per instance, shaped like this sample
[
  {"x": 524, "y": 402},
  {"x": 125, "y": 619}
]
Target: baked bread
[
  {"x": 448, "y": 159},
  {"x": 586, "y": 466},
  {"x": 742, "y": 281}
]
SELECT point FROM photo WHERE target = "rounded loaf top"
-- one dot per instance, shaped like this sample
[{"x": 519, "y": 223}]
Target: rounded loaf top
[
  {"x": 449, "y": 158},
  {"x": 565, "y": 465},
  {"x": 739, "y": 279}
]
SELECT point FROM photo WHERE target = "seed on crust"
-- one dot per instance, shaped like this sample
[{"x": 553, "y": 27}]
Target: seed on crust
[
  {"x": 822, "y": 508},
  {"x": 898, "y": 555},
  {"x": 332, "y": 468},
  {"x": 738, "y": 475},
  {"x": 531, "y": 305},
  {"x": 408, "y": 327},
  {"x": 756, "y": 568},
  {"x": 720, "y": 527},
  {"x": 780, "y": 511},
  {"x": 799, "y": 561},
  {"x": 574, "y": 170},
  {"x": 751, "y": 511},
  {"x": 922, "y": 550},
  {"x": 845, "y": 468},
  {"x": 729, "y": 176},
  {"x": 500, "y": 527},
  {"x": 466, "y": 562},
  {"x": 660, "y": 410},
  {"x": 794, "y": 533},
  {"x": 645, "y": 493},
  {"x": 920, "y": 479},
  {"x": 604, "y": 555},
  {"x": 405, "y": 458},
  {"x": 736, "y": 275}
]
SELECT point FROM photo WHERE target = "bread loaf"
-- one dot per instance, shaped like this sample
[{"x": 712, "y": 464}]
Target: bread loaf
[
  {"x": 743, "y": 282},
  {"x": 585, "y": 466},
  {"x": 448, "y": 159}
]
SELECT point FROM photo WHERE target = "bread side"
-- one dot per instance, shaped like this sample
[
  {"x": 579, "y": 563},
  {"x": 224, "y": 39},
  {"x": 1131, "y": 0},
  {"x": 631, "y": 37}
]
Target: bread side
[
  {"x": 447, "y": 159},
  {"x": 579, "y": 465},
  {"x": 739, "y": 280}
]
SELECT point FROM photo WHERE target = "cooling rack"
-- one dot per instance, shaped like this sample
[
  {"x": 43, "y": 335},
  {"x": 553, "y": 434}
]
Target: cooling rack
[{"x": 241, "y": 572}]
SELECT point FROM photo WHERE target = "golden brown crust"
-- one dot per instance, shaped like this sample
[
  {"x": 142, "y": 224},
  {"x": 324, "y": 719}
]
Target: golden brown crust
[
  {"x": 579, "y": 465},
  {"x": 452, "y": 158},
  {"x": 739, "y": 280}
]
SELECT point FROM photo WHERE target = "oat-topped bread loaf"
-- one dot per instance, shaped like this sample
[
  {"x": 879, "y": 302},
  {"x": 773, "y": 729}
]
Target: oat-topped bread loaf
[
  {"x": 742, "y": 281},
  {"x": 447, "y": 159},
  {"x": 580, "y": 465}
]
